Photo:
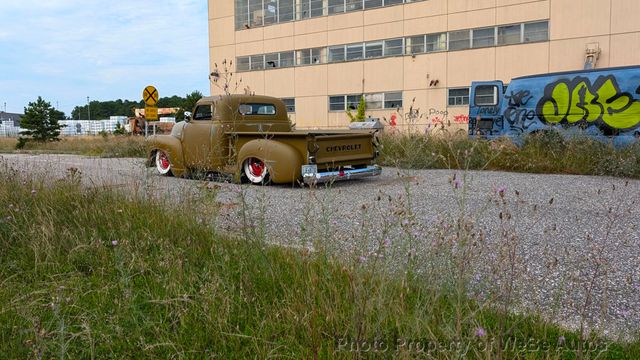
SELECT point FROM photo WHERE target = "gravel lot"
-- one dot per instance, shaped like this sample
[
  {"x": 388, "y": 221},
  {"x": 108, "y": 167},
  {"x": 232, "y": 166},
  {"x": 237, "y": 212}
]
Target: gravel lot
[{"x": 575, "y": 238}]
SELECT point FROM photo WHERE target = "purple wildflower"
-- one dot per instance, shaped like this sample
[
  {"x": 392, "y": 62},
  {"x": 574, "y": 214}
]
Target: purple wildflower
[
  {"x": 501, "y": 190},
  {"x": 386, "y": 243},
  {"x": 457, "y": 184},
  {"x": 362, "y": 259},
  {"x": 114, "y": 242},
  {"x": 480, "y": 332}
]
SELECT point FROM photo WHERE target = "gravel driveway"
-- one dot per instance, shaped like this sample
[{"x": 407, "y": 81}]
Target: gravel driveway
[{"x": 570, "y": 243}]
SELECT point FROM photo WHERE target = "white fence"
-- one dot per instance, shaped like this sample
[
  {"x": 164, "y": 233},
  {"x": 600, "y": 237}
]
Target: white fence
[{"x": 72, "y": 127}]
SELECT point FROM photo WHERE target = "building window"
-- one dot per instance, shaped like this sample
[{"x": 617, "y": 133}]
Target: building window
[
  {"x": 393, "y": 100},
  {"x": 510, "y": 34},
  {"x": 459, "y": 40},
  {"x": 436, "y": 42},
  {"x": 257, "y": 62},
  {"x": 354, "y": 51},
  {"x": 242, "y": 14},
  {"x": 290, "y": 103},
  {"x": 310, "y": 56},
  {"x": 368, "y": 4},
  {"x": 336, "y": 53},
  {"x": 311, "y": 8},
  {"x": 373, "y": 50},
  {"x": 336, "y": 6},
  {"x": 287, "y": 59},
  {"x": 353, "y": 5},
  {"x": 286, "y": 10},
  {"x": 272, "y": 60},
  {"x": 484, "y": 37},
  {"x": 415, "y": 44},
  {"x": 374, "y": 101},
  {"x": 256, "y": 13},
  {"x": 486, "y": 95},
  {"x": 538, "y": 31},
  {"x": 270, "y": 12},
  {"x": 392, "y": 2},
  {"x": 243, "y": 63},
  {"x": 458, "y": 97},
  {"x": 393, "y": 47},
  {"x": 336, "y": 103}
]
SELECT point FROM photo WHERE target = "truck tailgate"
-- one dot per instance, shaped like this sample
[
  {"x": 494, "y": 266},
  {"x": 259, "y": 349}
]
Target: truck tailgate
[{"x": 340, "y": 148}]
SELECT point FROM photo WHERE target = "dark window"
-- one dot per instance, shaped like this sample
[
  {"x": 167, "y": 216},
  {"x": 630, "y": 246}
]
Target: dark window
[
  {"x": 242, "y": 14},
  {"x": 353, "y": 5},
  {"x": 336, "y": 53},
  {"x": 459, "y": 40},
  {"x": 484, "y": 37},
  {"x": 536, "y": 31},
  {"x": 256, "y": 13},
  {"x": 415, "y": 45},
  {"x": 290, "y": 103},
  {"x": 486, "y": 95},
  {"x": 270, "y": 12},
  {"x": 203, "y": 112},
  {"x": 286, "y": 10},
  {"x": 257, "y": 62},
  {"x": 368, "y": 4},
  {"x": 336, "y": 6},
  {"x": 271, "y": 61},
  {"x": 354, "y": 52},
  {"x": 393, "y": 47},
  {"x": 242, "y": 64},
  {"x": 336, "y": 103},
  {"x": 316, "y": 8},
  {"x": 393, "y": 100},
  {"x": 353, "y": 101},
  {"x": 287, "y": 59},
  {"x": 459, "y": 97},
  {"x": 436, "y": 42},
  {"x": 510, "y": 34},
  {"x": 257, "y": 109},
  {"x": 373, "y": 50},
  {"x": 392, "y": 2}
]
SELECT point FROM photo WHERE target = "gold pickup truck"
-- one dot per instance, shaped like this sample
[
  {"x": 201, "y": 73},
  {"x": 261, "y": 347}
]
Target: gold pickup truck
[{"x": 251, "y": 138}]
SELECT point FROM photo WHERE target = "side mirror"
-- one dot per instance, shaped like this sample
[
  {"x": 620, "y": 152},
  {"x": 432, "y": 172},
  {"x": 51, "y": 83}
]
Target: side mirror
[{"x": 188, "y": 116}]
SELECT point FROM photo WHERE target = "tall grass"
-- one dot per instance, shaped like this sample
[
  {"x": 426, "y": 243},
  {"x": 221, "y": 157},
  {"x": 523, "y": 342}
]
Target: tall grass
[
  {"x": 103, "y": 146},
  {"x": 90, "y": 273},
  {"x": 539, "y": 154}
]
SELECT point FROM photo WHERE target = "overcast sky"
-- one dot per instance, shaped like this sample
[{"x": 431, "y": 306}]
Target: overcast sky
[{"x": 66, "y": 50}]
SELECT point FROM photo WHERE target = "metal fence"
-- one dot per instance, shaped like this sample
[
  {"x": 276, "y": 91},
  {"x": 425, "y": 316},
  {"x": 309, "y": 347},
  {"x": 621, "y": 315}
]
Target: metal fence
[{"x": 72, "y": 127}]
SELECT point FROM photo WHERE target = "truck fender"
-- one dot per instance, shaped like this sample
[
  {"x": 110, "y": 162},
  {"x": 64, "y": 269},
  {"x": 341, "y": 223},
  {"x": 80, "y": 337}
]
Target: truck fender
[
  {"x": 283, "y": 162},
  {"x": 173, "y": 147}
]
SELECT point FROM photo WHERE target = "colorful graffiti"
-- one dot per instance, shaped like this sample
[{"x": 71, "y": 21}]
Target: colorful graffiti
[{"x": 572, "y": 101}]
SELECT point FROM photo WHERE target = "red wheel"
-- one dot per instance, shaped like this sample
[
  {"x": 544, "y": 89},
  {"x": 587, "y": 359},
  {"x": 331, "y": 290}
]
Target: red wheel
[
  {"x": 256, "y": 171},
  {"x": 163, "y": 165}
]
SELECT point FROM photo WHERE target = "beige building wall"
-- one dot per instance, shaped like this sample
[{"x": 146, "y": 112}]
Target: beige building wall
[{"x": 610, "y": 25}]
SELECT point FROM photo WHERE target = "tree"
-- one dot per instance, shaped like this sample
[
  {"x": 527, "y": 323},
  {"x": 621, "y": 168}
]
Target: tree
[
  {"x": 188, "y": 104},
  {"x": 360, "y": 114},
  {"x": 41, "y": 123}
]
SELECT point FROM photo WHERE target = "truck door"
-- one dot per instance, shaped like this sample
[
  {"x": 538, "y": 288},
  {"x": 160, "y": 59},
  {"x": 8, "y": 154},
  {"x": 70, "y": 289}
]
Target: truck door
[
  {"x": 197, "y": 138},
  {"x": 485, "y": 100}
]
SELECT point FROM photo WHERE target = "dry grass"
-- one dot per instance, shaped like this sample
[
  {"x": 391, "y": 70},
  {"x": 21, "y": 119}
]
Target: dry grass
[{"x": 103, "y": 146}]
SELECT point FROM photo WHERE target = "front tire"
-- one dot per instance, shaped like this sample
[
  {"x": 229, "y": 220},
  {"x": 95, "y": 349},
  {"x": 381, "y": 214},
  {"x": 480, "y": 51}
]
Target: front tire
[
  {"x": 255, "y": 170},
  {"x": 163, "y": 165}
]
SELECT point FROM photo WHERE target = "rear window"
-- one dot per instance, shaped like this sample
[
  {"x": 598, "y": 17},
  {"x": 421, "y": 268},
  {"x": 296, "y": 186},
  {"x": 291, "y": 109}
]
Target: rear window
[
  {"x": 486, "y": 95},
  {"x": 257, "y": 109}
]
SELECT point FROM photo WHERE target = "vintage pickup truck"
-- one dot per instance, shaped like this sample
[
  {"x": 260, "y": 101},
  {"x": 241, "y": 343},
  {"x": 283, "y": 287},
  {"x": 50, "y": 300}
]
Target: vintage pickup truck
[{"x": 251, "y": 138}]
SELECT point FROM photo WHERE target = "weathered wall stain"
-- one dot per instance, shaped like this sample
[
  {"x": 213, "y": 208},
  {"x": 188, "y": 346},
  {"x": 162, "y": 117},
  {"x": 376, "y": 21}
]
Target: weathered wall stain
[{"x": 571, "y": 101}]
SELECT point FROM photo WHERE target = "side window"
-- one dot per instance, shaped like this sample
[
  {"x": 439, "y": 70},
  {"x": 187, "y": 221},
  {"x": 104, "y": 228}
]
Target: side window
[
  {"x": 203, "y": 112},
  {"x": 486, "y": 95},
  {"x": 257, "y": 109}
]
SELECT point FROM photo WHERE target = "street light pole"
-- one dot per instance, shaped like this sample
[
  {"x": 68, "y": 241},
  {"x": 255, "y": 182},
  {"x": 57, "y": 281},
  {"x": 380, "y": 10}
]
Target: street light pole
[{"x": 88, "y": 108}]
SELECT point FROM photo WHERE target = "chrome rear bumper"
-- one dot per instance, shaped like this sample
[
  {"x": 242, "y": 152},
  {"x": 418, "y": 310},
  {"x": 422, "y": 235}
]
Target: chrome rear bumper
[{"x": 331, "y": 176}]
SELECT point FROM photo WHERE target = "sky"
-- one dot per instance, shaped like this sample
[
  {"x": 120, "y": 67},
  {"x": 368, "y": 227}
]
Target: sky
[{"x": 66, "y": 50}]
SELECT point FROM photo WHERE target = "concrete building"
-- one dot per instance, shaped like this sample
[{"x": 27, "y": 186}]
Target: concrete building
[{"x": 322, "y": 55}]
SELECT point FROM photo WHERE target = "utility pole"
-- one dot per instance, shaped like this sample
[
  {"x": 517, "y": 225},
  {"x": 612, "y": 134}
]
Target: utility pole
[{"x": 88, "y": 108}]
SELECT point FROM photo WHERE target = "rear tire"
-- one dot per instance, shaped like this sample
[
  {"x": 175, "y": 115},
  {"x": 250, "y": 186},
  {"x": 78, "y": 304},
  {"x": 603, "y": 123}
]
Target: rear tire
[
  {"x": 163, "y": 165},
  {"x": 255, "y": 170}
]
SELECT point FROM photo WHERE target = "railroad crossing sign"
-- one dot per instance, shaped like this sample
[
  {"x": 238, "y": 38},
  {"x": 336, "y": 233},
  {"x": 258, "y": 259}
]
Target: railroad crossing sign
[
  {"x": 150, "y": 96},
  {"x": 151, "y": 113}
]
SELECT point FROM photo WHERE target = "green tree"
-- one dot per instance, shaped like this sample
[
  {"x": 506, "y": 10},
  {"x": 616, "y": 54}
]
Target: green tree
[
  {"x": 360, "y": 112},
  {"x": 188, "y": 103},
  {"x": 41, "y": 123}
]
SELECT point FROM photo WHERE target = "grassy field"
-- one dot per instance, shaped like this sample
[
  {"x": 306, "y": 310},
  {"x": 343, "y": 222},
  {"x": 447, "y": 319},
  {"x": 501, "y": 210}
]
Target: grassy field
[
  {"x": 539, "y": 154},
  {"x": 103, "y": 146},
  {"x": 90, "y": 273}
]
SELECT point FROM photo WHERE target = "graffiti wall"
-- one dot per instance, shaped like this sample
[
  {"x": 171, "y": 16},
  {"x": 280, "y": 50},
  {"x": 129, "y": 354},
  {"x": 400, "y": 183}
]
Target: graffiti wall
[{"x": 605, "y": 102}]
